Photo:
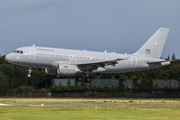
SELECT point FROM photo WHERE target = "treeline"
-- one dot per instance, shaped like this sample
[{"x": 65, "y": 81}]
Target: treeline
[{"x": 13, "y": 76}]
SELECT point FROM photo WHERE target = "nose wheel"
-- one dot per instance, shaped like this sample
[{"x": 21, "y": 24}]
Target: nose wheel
[
  {"x": 30, "y": 70},
  {"x": 29, "y": 75}
]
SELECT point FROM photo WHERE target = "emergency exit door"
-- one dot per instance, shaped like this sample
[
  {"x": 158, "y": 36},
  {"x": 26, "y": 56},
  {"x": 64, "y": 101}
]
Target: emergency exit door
[{"x": 133, "y": 62}]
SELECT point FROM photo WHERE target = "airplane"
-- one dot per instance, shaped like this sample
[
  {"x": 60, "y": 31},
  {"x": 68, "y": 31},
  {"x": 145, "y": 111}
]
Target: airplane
[{"x": 67, "y": 62}]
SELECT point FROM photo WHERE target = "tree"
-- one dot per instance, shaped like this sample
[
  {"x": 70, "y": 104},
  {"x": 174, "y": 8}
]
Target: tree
[
  {"x": 168, "y": 57},
  {"x": 3, "y": 83},
  {"x": 68, "y": 83},
  {"x": 2, "y": 60},
  {"x": 75, "y": 83},
  {"x": 38, "y": 77},
  {"x": 145, "y": 85},
  {"x": 123, "y": 76},
  {"x": 116, "y": 76},
  {"x": 83, "y": 83},
  {"x": 7, "y": 69},
  {"x": 163, "y": 74},
  {"x": 173, "y": 56}
]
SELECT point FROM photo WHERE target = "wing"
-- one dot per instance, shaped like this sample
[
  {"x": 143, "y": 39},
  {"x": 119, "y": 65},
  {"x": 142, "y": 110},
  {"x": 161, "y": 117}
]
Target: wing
[{"x": 90, "y": 66}]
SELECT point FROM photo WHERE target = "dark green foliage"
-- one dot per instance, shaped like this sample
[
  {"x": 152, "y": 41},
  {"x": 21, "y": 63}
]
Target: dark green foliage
[
  {"x": 2, "y": 60},
  {"x": 3, "y": 83},
  {"x": 7, "y": 69},
  {"x": 106, "y": 76},
  {"x": 76, "y": 83},
  {"x": 121, "y": 86},
  {"x": 22, "y": 89},
  {"x": 83, "y": 83},
  {"x": 116, "y": 76},
  {"x": 92, "y": 75},
  {"x": 38, "y": 77},
  {"x": 123, "y": 76},
  {"x": 145, "y": 85},
  {"x": 17, "y": 76},
  {"x": 68, "y": 83}
]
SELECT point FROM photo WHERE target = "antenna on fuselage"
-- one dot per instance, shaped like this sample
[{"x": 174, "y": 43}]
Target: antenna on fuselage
[{"x": 34, "y": 45}]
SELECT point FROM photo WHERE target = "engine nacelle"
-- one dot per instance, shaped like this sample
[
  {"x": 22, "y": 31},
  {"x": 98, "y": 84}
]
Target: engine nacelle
[
  {"x": 51, "y": 71},
  {"x": 67, "y": 70}
]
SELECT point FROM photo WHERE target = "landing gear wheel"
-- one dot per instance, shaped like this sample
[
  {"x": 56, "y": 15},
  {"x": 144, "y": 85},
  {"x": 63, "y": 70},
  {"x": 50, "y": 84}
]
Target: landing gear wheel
[
  {"x": 87, "y": 79},
  {"x": 79, "y": 79},
  {"x": 29, "y": 75}
]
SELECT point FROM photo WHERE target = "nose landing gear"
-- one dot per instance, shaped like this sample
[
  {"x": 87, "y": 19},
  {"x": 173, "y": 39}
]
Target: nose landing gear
[{"x": 30, "y": 70}]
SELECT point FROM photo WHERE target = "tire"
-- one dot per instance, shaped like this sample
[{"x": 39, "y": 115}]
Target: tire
[
  {"x": 87, "y": 79},
  {"x": 79, "y": 79},
  {"x": 29, "y": 75}
]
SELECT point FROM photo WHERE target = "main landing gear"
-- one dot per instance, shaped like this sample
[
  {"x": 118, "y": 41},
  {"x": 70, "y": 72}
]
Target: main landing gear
[
  {"x": 80, "y": 79},
  {"x": 30, "y": 70},
  {"x": 87, "y": 79}
]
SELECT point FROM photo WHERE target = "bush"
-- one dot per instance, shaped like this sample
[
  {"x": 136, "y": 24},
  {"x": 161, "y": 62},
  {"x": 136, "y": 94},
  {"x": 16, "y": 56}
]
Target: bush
[
  {"x": 25, "y": 89},
  {"x": 43, "y": 90}
]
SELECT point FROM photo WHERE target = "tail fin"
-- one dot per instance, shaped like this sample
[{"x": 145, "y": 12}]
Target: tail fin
[{"x": 155, "y": 44}]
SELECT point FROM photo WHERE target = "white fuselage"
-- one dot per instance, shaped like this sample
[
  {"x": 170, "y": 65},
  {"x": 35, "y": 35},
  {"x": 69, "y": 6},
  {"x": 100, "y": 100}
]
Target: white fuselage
[{"x": 44, "y": 57}]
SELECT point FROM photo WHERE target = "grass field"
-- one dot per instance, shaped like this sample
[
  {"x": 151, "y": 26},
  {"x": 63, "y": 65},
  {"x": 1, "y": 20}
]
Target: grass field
[
  {"x": 106, "y": 112},
  {"x": 86, "y": 100},
  {"x": 89, "y": 113}
]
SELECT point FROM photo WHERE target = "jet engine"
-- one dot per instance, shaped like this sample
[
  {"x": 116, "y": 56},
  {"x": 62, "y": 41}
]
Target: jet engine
[{"x": 67, "y": 70}]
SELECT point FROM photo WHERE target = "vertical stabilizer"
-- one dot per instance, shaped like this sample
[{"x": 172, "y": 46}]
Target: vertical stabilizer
[{"x": 155, "y": 44}]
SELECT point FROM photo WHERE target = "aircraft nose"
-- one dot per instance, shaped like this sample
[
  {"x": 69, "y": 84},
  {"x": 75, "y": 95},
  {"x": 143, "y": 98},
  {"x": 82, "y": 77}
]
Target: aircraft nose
[{"x": 8, "y": 57}]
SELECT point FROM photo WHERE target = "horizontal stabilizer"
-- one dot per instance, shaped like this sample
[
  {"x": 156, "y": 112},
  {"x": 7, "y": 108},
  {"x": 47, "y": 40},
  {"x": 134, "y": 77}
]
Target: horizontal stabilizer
[{"x": 153, "y": 62}]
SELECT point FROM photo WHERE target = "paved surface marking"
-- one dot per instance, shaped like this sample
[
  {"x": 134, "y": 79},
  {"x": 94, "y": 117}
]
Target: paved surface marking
[
  {"x": 90, "y": 104},
  {"x": 1, "y": 104}
]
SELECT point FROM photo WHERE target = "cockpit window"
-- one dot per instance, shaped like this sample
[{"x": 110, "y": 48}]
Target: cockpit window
[{"x": 18, "y": 51}]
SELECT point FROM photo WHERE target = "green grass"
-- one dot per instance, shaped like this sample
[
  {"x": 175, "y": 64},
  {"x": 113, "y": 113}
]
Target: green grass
[{"x": 88, "y": 112}]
